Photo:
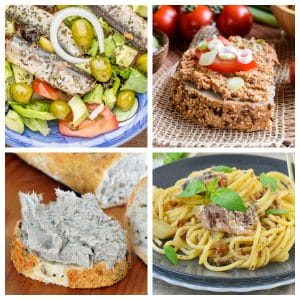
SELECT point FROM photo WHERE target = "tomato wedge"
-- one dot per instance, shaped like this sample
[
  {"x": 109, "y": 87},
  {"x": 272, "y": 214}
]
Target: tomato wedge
[
  {"x": 227, "y": 66},
  {"x": 104, "y": 123},
  {"x": 44, "y": 89}
]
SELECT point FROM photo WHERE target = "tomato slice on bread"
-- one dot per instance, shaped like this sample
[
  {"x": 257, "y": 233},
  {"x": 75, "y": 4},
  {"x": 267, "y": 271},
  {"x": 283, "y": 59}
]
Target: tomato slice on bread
[
  {"x": 105, "y": 122},
  {"x": 226, "y": 65}
]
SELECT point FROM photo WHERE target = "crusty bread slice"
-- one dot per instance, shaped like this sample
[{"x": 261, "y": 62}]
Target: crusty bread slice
[
  {"x": 109, "y": 176},
  {"x": 70, "y": 242},
  {"x": 137, "y": 219},
  {"x": 31, "y": 265}
]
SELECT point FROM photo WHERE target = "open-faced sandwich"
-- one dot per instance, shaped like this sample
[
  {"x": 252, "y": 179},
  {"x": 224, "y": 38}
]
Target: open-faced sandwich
[
  {"x": 227, "y": 83},
  {"x": 69, "y": 242}
]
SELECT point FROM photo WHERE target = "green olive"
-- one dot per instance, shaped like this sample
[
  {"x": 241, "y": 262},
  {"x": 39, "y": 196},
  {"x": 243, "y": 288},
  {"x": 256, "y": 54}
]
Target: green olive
[
  {"x": 141, "y": 63},
  {"x": 101, "y": 68},
  {"x": 83, "y": 34},
  {"x": 21, "y": 92},
  {"x": 125, "y": 100},
  {"x": 60, "y": 109}
]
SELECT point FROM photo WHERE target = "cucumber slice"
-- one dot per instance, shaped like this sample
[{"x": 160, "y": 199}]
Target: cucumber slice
[
  {"x": 125, "y": 115},
  {"x": 14, "y": 122}
]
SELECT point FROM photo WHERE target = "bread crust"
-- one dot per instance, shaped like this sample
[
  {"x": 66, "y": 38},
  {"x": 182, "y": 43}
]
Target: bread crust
[
  {"x": 34, "y": 267},
  {"x": 139, "y": 250},
  {"x": 67, "y": 168}
]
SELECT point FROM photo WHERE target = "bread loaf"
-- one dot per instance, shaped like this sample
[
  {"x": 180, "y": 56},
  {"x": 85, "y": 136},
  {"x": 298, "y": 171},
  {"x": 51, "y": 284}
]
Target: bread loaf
[{"x": 109, "y": 176}]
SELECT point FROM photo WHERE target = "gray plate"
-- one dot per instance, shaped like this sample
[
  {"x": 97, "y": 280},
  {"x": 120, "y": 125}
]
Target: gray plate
[{"x": 190, "y": 274}]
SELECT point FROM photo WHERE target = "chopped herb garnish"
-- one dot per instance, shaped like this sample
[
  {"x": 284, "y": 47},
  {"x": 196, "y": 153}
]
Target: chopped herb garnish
[
  {"x": 171, "y": 254},
  {"x": 228, "y": 199},
  {"x": 277, "y": 211},
  {"x": 194, "y": 187},
  {"x": 223, "y": 169},
  {"x": 267, "y": 180}
]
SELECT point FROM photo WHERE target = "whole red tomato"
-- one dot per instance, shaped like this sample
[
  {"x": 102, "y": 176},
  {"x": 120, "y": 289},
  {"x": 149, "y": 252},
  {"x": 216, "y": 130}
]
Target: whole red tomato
[
  {"x": 193, "y": 18},
  {"x": 165, "y": 19},
  {"x": 235, "y": 20}
]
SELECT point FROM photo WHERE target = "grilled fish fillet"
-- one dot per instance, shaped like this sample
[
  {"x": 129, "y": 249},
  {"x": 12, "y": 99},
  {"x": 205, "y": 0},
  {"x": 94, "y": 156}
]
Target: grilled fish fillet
[
  {"x": 39, "y": 19},
  {"x": 216, "y": 218},
  {"x": 47, "y": 66},
  {"x": 126, "y": 21}
]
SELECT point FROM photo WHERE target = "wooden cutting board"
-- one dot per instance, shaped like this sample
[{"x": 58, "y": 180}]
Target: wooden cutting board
[{"x": 22, "y": 177}]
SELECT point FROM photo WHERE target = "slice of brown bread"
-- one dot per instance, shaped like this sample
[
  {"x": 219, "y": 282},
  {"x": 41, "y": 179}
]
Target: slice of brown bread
[
  {"x": 97, "y": 255},
  {"x": 137, "y": 219},
  {"x": 203, "y": 95}
]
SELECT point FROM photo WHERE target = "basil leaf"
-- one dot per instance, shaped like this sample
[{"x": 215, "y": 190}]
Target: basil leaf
[
  {"x": 228, "y": 199},
  {"x": 170, "y": 157},
  {"x": 223, "y": 169},
  {"x": 268, "y": 180},
  {"x": 194, "y": 187},
  {"x": 171, "y": 255},
  {"x": 277, "y": 211},
  {"x": 211, "y": 187}
]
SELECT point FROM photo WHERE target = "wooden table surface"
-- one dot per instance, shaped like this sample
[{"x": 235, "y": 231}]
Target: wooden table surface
[
  {"x": 178, "y": 46},
  {"x": 138, "y": 141},
  {"x": 21, "y": 177}
]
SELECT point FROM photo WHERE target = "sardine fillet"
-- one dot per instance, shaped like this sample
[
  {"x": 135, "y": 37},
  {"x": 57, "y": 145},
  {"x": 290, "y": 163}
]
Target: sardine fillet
[
  {"x": 47, "y": 67},
  {"x": 125, "y": 20},
  {"x": 33, "y": 17}
]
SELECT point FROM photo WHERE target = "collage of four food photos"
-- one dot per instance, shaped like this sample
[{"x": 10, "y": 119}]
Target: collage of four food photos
[{"x": 149, "y": 149}]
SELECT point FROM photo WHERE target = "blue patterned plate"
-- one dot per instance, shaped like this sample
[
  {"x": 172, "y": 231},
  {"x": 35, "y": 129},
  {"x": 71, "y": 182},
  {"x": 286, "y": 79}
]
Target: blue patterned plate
[{"x": 55, "y": 139}]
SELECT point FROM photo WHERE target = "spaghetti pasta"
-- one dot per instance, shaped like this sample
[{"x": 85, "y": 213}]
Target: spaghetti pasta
[{"x": 176, "y": 222}]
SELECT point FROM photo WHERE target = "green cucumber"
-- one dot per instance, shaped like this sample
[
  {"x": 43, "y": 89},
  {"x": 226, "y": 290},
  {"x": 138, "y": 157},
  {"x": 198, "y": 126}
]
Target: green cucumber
[{"x": 264, "y": 17}]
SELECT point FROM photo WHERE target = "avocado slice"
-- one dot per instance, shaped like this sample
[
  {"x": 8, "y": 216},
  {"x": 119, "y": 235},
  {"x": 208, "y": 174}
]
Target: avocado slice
[
  {"x": 94, "y": 48},
  {"x": 141, "y": 10},
  {"x": 21, "y": 75},
  {"x": 125, "y": 115},
  {"x": 109, "y": 98},
  {"x": 95, "y": 95},
  {"x": 14, "y": 122},
  {"x": 79, "y": 110},
  {"x": 125, "y": 55}
]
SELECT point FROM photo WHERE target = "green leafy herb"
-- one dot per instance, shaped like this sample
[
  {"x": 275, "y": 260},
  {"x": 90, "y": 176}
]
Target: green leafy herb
[
  {"x": 228, "y": 199},
  {"x": 194, "y": 187},
  {"x": 223, "y": 169},
  {"x": 171, "y": 157},
  {"x": 277, "y": 212},
  {"x": 267, "y": 180},
  {"x": 136, "y": 82},
  {"x": 211, "y": 187},
  {"x": 171, "y": 255}
]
